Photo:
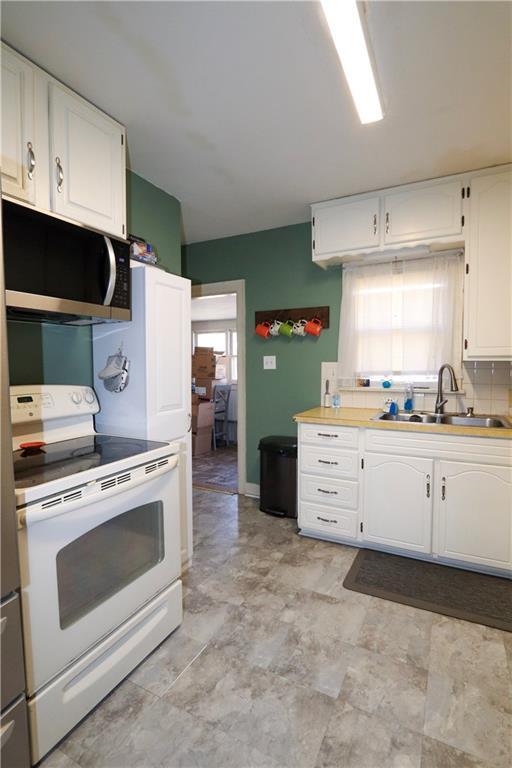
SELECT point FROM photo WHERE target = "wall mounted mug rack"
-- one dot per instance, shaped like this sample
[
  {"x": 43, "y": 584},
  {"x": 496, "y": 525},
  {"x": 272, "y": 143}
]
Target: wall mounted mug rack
[{"x": 299, "y": 321}]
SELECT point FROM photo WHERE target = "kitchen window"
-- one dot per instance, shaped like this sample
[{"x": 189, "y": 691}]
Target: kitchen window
[
  {"x": 225, "y": 345},
  {"x": 402, "y": 319}
]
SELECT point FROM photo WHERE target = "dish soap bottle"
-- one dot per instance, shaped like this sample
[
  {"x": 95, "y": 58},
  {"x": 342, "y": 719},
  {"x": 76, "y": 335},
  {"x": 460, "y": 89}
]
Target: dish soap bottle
[{"x": 409, "y": 398}]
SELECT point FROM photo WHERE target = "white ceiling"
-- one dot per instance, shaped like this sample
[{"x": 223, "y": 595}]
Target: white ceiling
[
  {"x": 240, "y": 109},
  {"x": 221, "y": 307}
]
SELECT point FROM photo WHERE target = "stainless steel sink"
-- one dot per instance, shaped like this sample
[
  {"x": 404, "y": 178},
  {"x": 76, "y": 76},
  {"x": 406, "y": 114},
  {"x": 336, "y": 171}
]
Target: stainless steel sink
[
  {"x": 460, "y": 420},
  {"x": 492, "y": 422},
  {"x": 419, "y": 418}
]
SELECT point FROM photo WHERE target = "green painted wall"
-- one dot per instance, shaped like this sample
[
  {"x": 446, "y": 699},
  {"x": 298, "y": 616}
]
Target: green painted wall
[
  {"x": 51, "y": 354},
  {"x": 276, "y": 265},
  {"x": 155, "y": 216}
]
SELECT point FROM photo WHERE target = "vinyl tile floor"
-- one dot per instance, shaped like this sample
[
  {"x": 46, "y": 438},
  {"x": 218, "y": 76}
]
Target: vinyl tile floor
[{"x": 276, "y": 665}]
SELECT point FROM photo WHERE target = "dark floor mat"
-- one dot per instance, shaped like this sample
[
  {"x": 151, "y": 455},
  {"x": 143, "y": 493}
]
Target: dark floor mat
[{"x": 438, "y": 588}]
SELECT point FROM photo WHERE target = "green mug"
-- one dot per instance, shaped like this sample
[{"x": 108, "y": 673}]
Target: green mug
[{"x": 286, "y": 329}]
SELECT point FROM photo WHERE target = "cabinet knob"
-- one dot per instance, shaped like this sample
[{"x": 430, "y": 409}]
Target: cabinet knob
[
  {"x": 387, "y": 223},
  {"x": 428, "y": 486},
  {"x": 443, "y": 488}
]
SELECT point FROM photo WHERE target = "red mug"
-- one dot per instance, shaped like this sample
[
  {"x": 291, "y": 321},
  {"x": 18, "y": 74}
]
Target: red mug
[
  {"x": 314, "y": 326},
  {"x": 263, "y": 329}
]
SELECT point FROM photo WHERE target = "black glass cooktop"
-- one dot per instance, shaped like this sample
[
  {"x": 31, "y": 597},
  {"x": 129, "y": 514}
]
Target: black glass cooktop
[{"x": 34, "y": 466}]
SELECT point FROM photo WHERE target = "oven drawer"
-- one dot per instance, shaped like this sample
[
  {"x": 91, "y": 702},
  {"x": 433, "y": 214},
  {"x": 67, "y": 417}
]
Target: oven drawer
[
  {"x": 324, "y": 434},
  {"x": 323, "y": 490},
  {"x": 60, "y": 705},
  {"x": 13, "y": 671},
  {"x": 329, "y": 461},
  {"x": 339, "y": 522}
]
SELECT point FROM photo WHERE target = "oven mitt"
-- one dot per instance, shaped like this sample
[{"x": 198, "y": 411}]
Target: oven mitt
[{"x": 114, "y": 367}]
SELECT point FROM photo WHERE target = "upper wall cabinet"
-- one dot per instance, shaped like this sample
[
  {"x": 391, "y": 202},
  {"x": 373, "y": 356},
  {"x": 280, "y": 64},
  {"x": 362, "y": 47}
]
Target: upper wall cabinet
[
  {"x": 347, "y": 227},
  {"x": 423, "y": 213},
  {"x": 87, "y": 153},
  {"x": 59, "y": 152},
  {"x": 18, "y": 128},
  {"x": 488, "y": 294}
]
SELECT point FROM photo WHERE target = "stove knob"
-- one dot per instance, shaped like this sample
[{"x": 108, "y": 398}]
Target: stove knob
[
  {"x": 76, "y": 397},
  {"x": 89, "y": 397}
]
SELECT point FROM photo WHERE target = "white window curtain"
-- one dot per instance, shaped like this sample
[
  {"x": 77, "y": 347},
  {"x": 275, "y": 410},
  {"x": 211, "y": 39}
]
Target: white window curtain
[{"x": 401, "y": 317}]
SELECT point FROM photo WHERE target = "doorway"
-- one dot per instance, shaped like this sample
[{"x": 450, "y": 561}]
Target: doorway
[{"x": 218, "y": 323}]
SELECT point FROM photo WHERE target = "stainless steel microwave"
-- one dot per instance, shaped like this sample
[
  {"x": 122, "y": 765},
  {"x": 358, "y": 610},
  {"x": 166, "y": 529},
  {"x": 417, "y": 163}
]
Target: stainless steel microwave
[{"x": 62, "y": 272}]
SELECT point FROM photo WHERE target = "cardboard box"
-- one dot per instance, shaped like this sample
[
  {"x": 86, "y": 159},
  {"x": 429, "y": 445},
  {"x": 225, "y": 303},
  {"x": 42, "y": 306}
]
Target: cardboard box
[
  {"x": 203, "y": 363},
  {"x": 202, "y": 415},
  {"x": 202, "y": 441},
  {"x": 204, "y": 387}
]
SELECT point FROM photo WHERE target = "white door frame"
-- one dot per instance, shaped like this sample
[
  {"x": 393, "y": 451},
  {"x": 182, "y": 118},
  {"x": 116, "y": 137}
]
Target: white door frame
[{"x": 237, "y": 287}]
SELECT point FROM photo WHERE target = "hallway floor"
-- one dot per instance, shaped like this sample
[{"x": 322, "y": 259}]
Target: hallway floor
[
  {"x": 277, "y": 665},
  {"x": 217, "y": 470}
]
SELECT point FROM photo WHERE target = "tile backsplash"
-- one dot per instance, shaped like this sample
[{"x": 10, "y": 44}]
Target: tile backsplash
[{"x": 485, "y": 386}]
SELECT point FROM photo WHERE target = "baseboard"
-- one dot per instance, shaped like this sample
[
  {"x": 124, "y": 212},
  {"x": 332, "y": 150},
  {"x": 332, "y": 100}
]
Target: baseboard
[{"x": 252, "y": 490}]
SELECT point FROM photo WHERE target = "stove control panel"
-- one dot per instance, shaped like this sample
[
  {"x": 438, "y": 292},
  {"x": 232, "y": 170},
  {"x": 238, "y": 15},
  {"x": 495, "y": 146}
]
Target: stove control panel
[{"x": 45, "y": 402}]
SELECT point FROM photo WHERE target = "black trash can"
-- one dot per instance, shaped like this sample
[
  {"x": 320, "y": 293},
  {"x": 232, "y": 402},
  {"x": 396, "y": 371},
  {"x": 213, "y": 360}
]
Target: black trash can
[{"x": 278, "y": 475}]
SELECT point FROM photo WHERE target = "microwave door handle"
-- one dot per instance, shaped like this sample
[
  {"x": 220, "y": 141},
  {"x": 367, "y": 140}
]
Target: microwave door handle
[{"x": 113, "y": 272}]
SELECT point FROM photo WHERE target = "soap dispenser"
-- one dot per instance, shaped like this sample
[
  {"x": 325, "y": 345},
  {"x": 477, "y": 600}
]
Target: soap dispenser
[{"x": 409, "y": 398}]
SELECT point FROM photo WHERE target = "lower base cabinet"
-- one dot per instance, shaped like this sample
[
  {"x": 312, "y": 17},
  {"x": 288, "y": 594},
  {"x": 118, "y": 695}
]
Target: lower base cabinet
[
  {"x": 397, "y": 501},
  {"x": 439, "y": 496},
  {"x": 473, "y": 515}
]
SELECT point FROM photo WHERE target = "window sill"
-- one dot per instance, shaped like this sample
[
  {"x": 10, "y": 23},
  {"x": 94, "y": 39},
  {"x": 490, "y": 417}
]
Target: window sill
[{"x": 389, "y": 390}]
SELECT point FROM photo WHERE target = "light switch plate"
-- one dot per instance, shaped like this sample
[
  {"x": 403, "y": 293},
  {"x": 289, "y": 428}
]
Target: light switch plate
[{"x": 269, "y": 362}]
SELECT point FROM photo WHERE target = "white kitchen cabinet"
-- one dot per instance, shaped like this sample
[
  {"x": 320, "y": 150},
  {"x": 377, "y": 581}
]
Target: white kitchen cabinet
[
  {"x": 60, "y": 153},
  {"x": 19, "y": 150},
  {"x": 473, "y": 516},
  {"x": 423, "y": 212},
  {"x": 345, "y": 225},
  {"x": 87, "y": 157},
  {"x": 329, "y": 488},
  {"x": 488, "y": 294},
  {"x": 397, "y": 501}
]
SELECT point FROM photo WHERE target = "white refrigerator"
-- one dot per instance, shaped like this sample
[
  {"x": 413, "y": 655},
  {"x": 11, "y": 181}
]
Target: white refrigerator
[{"x": 142, "y": 373}]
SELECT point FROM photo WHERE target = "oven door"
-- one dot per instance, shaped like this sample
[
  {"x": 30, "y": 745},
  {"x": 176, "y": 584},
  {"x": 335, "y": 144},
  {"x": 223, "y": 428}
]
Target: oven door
[{"x": 84, "y": 572}]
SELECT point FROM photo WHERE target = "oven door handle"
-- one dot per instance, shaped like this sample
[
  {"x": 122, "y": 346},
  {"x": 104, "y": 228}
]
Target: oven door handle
[
  {"x": 113, "y": 271},
  {"x": 92, "y": 494}
]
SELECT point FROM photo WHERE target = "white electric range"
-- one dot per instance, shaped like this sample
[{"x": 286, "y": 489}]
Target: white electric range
[{"x": 99, "y": 544}]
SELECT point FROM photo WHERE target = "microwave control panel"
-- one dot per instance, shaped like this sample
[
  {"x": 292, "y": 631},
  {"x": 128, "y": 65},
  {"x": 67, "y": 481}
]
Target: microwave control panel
[{"x": 121, "y": 296}]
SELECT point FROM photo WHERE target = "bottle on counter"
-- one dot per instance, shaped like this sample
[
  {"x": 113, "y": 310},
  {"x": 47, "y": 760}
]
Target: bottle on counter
[
  {"x": 327, "y": 396},
  {"x": 409, "y": 398}
]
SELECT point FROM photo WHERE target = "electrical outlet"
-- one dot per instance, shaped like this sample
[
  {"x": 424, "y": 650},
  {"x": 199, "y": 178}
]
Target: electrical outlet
[{"x": 269, "y": 362}]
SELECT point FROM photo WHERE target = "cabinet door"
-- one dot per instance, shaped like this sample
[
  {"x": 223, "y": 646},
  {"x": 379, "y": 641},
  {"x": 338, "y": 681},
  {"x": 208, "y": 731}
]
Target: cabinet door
[
  {"x": 87, "y": 163},
  {"x": 397, "y": 502},
  {"x": 18, "y": 142},
  {"x": 488, "y": 321},
  {"x": 473, "y": 513},
  {"x": 168, "y": 355},
  {"x": 423, "y": 213},
  {"x": 346, "y": 225}
]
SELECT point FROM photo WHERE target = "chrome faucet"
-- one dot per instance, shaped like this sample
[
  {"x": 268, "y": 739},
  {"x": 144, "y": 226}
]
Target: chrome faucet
[{"x": 441, "y": 400}]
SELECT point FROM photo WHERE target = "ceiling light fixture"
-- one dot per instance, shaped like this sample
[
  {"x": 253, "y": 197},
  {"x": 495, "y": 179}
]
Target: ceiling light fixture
[{"x": 346, "y": 28}]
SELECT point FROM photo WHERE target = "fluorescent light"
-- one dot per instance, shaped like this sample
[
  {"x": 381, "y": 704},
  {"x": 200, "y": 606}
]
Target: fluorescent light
[{"x": 347, "y": 32}]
